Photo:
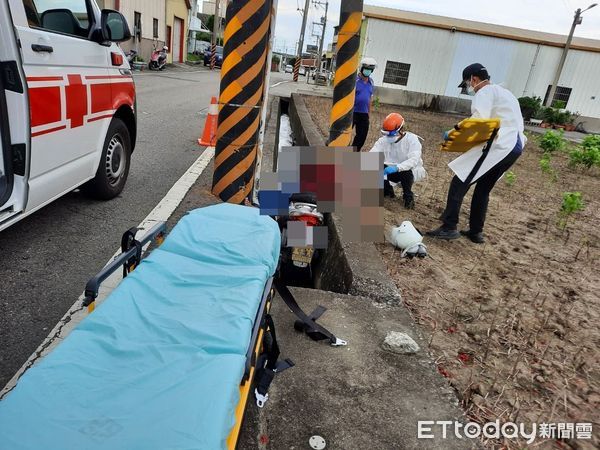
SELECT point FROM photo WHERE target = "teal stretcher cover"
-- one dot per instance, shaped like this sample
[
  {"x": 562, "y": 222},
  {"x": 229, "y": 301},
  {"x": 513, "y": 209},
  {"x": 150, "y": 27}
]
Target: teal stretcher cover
[{"x": 159, "y": 363}]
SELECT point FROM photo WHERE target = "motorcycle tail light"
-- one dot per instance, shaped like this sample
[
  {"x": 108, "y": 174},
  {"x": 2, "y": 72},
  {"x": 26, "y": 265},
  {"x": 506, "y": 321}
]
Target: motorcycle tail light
[{"x": 311, "y": 221}]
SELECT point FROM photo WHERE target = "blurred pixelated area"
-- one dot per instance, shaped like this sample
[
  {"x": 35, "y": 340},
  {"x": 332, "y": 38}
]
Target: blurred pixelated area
[{"x": 342, "y": 181}]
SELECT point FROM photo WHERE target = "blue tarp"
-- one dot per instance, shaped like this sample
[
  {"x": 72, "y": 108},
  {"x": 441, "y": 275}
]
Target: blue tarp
[{"x": 159, "y": 363}]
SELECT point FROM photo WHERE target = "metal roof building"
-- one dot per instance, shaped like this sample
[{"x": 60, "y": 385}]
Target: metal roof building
[{"x": 424, "y": 53}]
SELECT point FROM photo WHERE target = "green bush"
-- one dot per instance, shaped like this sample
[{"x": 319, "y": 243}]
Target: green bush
[
  {"x": 572, "y": 203},
  {"x": 559, "y": 104},
  {"x": 552, "y": 141},
  {"x": 590, "y": 141},
  {"x": 587, "y": 154},
  {"x": 529, "y": 106}
]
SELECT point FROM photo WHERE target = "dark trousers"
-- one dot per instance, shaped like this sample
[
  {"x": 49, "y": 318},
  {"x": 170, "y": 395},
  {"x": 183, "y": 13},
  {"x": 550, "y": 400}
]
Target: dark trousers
[
  {"x": 361, "y": 123},
  {"x": 481, "y": 196},
  {"x": 405, "y": 178}
]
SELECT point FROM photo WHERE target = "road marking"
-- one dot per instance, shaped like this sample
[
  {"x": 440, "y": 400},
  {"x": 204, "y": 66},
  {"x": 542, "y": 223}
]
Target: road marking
[
  {"x": 281, "y": 82},
  {"x": 77, "y": 313}
]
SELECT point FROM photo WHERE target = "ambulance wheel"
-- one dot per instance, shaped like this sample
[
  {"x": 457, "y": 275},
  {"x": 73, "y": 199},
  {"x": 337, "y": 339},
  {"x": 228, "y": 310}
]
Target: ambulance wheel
[{"x": 113, "y": 169}]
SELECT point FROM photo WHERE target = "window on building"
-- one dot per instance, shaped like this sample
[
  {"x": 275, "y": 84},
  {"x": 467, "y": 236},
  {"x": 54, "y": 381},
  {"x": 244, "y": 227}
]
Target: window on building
[
  {"x": 155, "y": 28},
  {"x": 73, "y": 17},
  {"x": 561, "y": 94},
  {"x": 137, "y": 25},
  {"x": 396, "y": 73},
  {"x": 168, "y": 37}
]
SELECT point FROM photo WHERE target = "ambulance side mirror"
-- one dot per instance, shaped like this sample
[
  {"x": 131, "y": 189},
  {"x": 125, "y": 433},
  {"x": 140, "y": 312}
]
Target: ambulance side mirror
[{"x": 114, "y": 26}]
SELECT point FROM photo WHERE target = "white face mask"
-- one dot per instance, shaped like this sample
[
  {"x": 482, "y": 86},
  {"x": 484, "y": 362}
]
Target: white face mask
[
  {"x": 391, "y": 139},
  {"x": 471, "y": 89}
]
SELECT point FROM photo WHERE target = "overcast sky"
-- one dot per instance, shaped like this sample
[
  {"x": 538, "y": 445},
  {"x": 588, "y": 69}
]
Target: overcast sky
[{"x": 553, "y": 16}]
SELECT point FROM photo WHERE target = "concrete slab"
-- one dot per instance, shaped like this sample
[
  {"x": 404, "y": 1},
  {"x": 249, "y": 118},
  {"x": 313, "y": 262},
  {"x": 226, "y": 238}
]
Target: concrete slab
[
  {"x": 573, "y": 136},
  {"x": 355, "y": 397}
]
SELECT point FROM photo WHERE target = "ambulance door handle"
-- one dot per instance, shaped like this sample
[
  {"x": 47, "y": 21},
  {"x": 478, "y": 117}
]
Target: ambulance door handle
[{"x": 42, "y": 48}]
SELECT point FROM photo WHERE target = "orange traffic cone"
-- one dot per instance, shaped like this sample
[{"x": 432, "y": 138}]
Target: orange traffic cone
[{"x": 209, "y": 136}]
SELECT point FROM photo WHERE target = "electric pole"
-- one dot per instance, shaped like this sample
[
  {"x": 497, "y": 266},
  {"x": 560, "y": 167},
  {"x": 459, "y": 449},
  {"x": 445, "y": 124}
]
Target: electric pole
[
  {"x": 576, "y": 21},
  {"x": 301, "y": 41},
  {"x": 324, "y": 23}
]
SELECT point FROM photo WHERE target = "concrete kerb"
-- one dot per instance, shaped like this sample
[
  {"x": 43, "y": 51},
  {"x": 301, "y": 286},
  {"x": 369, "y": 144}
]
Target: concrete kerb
[{"x": 347, "y": 267}]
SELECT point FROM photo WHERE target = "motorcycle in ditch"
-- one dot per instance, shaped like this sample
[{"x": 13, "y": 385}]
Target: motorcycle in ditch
[{"x": 298, "y": 262}]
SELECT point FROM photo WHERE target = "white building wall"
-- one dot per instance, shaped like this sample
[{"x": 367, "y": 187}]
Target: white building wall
[
  {"x": 437, "y": 58},
  {"x": 428, "y": 50},
  {"x": 149, "y": 9}
]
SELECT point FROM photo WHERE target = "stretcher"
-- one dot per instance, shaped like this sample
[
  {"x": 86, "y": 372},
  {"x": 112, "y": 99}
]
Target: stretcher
[
  {"x": 469, "y": 133},
  {"x": 171, "y": 358}
]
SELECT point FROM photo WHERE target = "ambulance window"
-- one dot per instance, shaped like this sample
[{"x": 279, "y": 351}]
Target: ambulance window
[{"x": 62, "y": 16}]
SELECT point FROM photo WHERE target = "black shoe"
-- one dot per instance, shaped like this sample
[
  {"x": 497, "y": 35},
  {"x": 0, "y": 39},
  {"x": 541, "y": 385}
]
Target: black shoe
[
  {"x": 409, "y": 203},
  {"x": 389, "y": 193},
  {"x": 476, "y": 238},
  {"x": 443, "y": 233}
]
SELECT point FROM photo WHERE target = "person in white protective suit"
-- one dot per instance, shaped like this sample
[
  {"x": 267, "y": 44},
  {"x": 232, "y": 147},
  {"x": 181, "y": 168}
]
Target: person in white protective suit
[
  {"x": 489, "y": 101},
  {"x": 402, "y": 158}
]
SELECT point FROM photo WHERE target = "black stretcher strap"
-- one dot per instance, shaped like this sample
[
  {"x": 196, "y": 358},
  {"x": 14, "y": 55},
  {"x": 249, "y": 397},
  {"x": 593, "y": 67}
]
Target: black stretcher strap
[
  {"x": 484, "y": 154},
  {"x": 314, "y": 330},
  {"x": 268, "y": 364}
]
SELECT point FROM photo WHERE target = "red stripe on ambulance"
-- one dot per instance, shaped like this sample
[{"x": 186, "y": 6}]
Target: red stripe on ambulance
[
  {"x": 76, "y": 94},
  {"x": 101, "y": 97},
  {"x": 44, "y": 105}
]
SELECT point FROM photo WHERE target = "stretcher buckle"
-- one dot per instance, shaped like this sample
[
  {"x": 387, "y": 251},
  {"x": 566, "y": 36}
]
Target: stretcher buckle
[
  {"x": 339, "y": 342},
  {"x": 260, "y": 399}
]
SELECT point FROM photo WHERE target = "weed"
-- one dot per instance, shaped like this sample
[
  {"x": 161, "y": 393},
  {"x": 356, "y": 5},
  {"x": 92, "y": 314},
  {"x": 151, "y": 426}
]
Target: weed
[
  {"x": 511, "y": 177},
  {"x": 553, "y": 141},
  {"x": 547, "y": 168},
  {"x": 572, "y": 203},
  {"x": 376, "y": 103},
  {"x": 587, "y": 154}
]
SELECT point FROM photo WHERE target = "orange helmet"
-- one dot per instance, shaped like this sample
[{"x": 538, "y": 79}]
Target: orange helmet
[{"x": 392, "y": 124}]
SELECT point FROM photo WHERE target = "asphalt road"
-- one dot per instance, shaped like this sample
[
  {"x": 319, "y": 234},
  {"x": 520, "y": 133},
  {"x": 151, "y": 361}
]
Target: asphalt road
[{"x": 46, "y": 259}]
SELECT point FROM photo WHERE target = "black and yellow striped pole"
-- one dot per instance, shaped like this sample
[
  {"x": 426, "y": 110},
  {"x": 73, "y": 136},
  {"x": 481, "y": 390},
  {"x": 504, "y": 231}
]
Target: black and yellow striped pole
[
  {"x": 215, "y": 36},
  {"x": 241, "y": 99},
  {"x": 344, "y": 85},
  {"x": 297, "y": 67}
]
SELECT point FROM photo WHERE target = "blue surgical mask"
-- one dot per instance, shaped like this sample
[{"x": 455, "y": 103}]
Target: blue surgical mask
[{"x": 367, "y": 72}]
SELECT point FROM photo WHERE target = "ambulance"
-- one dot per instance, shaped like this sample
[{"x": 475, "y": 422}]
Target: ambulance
[{"x": 67, "y": 103}]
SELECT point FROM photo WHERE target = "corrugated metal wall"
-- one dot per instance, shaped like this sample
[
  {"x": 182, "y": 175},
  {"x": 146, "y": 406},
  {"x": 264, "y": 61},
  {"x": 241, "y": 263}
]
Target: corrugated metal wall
[{"x": 438, "y": 56}]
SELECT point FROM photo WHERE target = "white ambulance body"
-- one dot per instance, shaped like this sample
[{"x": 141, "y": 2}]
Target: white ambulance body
[{"x": 67, "y": 103}]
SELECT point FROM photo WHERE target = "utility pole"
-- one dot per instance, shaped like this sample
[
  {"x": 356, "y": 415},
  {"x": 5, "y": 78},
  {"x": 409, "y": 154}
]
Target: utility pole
[
  {"x": 216, "y": 22},
  {"x": 324, "y": 23},
  {"x": 576, "y": 21},
  {"x": 301, "y": 41}
]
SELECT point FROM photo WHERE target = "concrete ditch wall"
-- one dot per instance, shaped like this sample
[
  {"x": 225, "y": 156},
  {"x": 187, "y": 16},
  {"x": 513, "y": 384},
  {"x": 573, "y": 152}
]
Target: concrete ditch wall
[
  {"x": 347, "y": 267},
  {"x": 420, "y": 100}
]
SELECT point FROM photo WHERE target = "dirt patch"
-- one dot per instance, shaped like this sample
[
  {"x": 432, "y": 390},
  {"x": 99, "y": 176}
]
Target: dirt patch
[{"x": 513, "y": 323}]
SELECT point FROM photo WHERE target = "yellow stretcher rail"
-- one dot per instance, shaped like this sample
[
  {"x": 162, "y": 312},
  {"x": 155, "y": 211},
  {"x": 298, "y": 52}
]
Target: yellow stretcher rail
[{"x": 469, "y": 133}]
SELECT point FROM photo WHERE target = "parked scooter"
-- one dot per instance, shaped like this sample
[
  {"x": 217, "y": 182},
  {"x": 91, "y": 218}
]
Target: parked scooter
[
  {"x": 158, "y": 59},
  {"x": 130, "y": 55},
  {"x": 298, "y": 262}
]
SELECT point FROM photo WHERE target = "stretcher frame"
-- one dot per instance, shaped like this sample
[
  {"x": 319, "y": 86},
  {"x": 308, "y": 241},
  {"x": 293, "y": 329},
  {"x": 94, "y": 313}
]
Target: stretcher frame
[{"x": 131, "y": 257}]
